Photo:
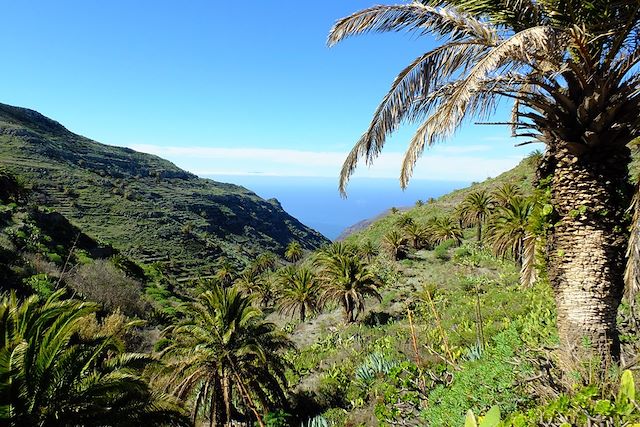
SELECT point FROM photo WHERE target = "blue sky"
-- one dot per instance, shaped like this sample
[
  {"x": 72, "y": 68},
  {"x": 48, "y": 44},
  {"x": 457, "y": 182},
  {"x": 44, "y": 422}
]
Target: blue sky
[{"x": 224, "y": 88}]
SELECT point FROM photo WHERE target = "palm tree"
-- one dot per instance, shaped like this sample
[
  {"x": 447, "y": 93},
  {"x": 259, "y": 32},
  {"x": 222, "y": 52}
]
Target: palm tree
[
  {"x": 368, "y": 250},
  {"x": 266, "y": 261},
  {"x": 444, "y": 228},
  {"x": 396, "y": 244},
  {"x": 404, "y": 221},
  {"x": 224, "y": 357},
  {"x": 510, "y": 232},
  {"x": 53, "y": 375},
  {"x": 418, "y": 235},
  {"x": 299, "y": 290},
  {"x": 293, "y": 253},
  {"x": 506, "y": 193},
  {"x": 571, "y": 69},
  {"x": 257, "y": 284},
  {"x": 475, "y": 209},
  {"x": 347, "y": 280},
  {"x": 226, "y": 272}
]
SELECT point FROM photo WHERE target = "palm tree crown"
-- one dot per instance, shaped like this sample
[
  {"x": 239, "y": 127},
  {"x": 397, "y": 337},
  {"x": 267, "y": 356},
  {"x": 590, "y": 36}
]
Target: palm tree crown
[
  {"x": 51, "y": 374},
  {"x": 475, "y": 209},
  {"x": 299, "y": 290},
  {"x": 347, "y": 280}
]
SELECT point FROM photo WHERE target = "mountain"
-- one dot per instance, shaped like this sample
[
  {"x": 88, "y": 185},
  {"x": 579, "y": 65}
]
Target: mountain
[{"x": 145, "y": 206}]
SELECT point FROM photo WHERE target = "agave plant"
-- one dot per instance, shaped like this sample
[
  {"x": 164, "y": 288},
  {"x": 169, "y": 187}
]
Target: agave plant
[
  {"x": 223, "y": 358},
  {"x": 52, "y": 375}
]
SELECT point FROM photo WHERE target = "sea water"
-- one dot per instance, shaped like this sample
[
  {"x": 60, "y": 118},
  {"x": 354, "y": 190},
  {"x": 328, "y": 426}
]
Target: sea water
[{"x": 316, "y": 202}]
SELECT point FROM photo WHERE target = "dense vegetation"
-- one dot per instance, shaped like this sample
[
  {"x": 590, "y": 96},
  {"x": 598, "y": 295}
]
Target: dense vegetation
[
  {"x": 497, "y": 305},
  {"x": 356, "y": 333}
]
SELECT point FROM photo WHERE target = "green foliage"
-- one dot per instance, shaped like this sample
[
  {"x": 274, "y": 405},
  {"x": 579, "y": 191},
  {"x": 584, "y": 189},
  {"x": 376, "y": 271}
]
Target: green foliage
[
  {"x": 41, "y": 284},
  {"x": 53, "y": 373}
]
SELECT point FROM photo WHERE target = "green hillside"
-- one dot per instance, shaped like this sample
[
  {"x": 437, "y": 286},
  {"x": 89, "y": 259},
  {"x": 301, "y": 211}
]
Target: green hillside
[
  {"x": 143, "y": 205},
  {"x": 520, "y": 176}
]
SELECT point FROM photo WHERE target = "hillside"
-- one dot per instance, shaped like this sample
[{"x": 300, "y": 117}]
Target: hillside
[
  {"x": 143, "y": 205},
  {"x": 373, "y": 229}
]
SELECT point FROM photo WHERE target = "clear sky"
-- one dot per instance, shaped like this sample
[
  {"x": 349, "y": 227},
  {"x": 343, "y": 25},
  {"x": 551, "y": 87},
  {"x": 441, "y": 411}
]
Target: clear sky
[{"x": 224, "y": 88}]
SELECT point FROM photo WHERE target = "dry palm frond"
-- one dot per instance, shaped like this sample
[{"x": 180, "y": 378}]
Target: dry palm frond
[
  {"x": 417, "y": 17},
  {"x": 528, "y": 274},
  {"x": 468, "y": 98}
]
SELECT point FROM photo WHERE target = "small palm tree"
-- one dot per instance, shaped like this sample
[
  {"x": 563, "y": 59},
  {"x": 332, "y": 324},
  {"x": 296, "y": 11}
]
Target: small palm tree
[
  {"x": 418, "y": 235},
  {"x": 226, "y": 272},
  {"x": 444, "y": 228},
  {"x": 299, "y": 290},
  {"x": 506, "y": 193},
  {"x": 404, "y": 221},
  {"x": 347, "y": 280},
  {"x": 475, "y": 209},
  {"x": 510, "y": 233},
  {"x": 224, "y": 357},
  {"x": 396, "y": 244},
  {"x": 294, "y": 252},
  {"x": 255, "y": 284},
  {"x": 266, "y": 261},
  {"x": 53, "y": 375},
  {"x": 368, "y": 250}
]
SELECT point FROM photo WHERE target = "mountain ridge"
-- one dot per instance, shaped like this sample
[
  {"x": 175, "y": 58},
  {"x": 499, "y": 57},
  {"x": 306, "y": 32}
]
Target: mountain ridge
[{"x": 144, "y": 205}]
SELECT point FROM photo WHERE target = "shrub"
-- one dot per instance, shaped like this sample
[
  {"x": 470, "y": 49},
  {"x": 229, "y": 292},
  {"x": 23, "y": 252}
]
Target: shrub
[{"x": 102, "y": 282}]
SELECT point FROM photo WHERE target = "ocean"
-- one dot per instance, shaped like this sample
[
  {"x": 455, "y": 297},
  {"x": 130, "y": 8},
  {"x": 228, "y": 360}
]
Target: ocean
[{"x": 316, "y": 202}]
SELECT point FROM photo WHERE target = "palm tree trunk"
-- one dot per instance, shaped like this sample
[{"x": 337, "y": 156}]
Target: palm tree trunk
[
  {"x": 226, "y": 392},
  {"x": 479, "y": 231},
  {"x": 586, "y": 250},
  {"x": 302, "y": 313}
]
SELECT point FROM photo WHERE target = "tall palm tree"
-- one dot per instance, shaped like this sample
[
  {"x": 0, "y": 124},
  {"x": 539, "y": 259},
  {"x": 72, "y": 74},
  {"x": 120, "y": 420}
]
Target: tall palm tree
[
  {"x": 347, "y": 280},
  {"x": 396, "y": 244},
  {"x": 571, "y": 69},
  {"x": 224, "y": 357},
  {"x": 475, "y": 209},
  {"x": 52, "y": 375},
  {"x": 444, "y": 228},
  {"x": 294, "y": 252},
  {"x": 299, "y": 290}
]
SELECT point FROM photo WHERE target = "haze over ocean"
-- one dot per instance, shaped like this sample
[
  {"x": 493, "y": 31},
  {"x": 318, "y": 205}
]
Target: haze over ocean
[{"x": 315, "y": 201}]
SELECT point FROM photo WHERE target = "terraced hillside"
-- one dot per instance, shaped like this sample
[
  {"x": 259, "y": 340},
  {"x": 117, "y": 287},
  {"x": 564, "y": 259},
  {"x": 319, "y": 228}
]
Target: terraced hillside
[{"x": 143, "y": 205}]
